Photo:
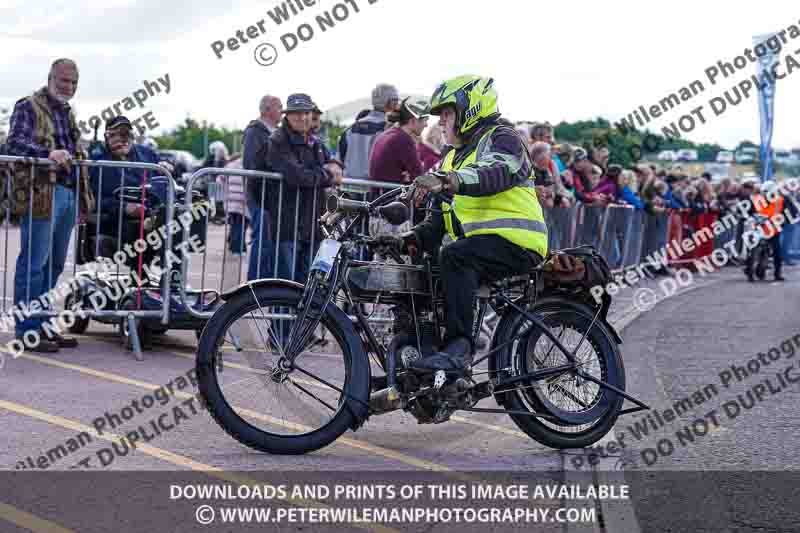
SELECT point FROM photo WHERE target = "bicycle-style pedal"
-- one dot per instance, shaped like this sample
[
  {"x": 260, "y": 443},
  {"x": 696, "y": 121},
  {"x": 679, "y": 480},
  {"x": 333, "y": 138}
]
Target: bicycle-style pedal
[{"x": 439, "y": 379}]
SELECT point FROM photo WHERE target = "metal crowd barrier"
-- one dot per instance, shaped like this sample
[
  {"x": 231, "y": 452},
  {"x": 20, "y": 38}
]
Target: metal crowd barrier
[
  {"x": 231, "y": 277},
  {"x": 6, "y": 163},
  {"x": 623, "y": 234}
]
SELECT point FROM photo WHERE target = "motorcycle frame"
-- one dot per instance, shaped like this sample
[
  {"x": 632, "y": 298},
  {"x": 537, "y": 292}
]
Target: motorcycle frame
[{"x": 336, "y": 280}]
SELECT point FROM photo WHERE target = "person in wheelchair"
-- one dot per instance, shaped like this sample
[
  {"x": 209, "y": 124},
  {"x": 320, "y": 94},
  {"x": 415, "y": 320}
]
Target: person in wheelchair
[
  {"x": 119, "y": 146},
  {"x": 495, "y": 218}
]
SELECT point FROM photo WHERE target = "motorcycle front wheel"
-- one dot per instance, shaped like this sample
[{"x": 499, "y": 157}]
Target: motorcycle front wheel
[{"x": 262, "y": 399}]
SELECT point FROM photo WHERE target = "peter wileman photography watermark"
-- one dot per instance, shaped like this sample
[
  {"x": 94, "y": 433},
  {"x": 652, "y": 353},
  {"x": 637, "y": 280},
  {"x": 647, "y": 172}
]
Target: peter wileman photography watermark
[
  {"x": 113, "y": 291},
  {"x": 641, "y": 116},
  {"x": 159, "y": 424},
  {"x": 645, "y": 298},
  {"x": 266, "y": 53},
  {"x": 143, "y": 123},
  {"x": 783, "y": 379},
  {"x": 732, "y": 97}
]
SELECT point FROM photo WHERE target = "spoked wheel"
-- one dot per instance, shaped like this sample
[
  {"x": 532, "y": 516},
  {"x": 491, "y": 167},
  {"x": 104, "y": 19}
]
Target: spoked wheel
[
  {"x": 584, "y": 410},
  {"x": 255, "y": 392}
]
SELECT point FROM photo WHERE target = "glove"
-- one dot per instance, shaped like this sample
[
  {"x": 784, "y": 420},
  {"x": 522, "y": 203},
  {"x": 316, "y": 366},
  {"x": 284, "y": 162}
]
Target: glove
[{"x": 435, "y": 182}]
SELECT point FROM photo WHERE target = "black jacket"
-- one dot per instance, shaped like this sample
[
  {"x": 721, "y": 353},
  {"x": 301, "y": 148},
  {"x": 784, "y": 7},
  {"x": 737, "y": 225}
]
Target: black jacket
[
  {"x": 300, "y": 160},
  {"x": 254, "y": 157}
]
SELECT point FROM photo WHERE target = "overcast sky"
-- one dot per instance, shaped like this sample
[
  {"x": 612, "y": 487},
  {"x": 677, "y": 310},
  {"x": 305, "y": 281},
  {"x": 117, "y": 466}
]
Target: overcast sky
[{"x": 551, "y": 60}]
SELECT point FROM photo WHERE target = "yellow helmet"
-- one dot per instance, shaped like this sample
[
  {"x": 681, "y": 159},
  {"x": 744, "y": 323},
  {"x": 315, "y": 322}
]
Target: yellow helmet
[{"x": 473, "y": 97}]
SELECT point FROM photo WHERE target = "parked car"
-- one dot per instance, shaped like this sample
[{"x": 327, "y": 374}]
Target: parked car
[
  {"x": 747, "y": 155},
  {"x": 687, "y": 155},
  {"x": 785, "y": 157},
  {"x": 183, "y": 162},
  {"x": 667, "y": 155},
  {"x": 725, "y": 157}
]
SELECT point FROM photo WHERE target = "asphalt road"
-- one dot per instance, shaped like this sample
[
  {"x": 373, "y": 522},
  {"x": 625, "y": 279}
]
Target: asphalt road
[{"x": 729, "y": 462}]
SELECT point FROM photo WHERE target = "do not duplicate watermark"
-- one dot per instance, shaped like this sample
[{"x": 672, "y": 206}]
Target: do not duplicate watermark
[{"x": 112, "y": 291}]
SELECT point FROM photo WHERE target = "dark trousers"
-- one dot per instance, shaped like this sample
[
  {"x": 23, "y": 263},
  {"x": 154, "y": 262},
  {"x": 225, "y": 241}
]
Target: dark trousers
[
  {"x": 295, "y": 262},
  {"x": 777, "y": 258},
  {"x": 469, "y": 262}
]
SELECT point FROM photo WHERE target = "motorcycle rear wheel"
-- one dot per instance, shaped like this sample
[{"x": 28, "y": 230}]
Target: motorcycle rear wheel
[{"x": 585, "y": 411}]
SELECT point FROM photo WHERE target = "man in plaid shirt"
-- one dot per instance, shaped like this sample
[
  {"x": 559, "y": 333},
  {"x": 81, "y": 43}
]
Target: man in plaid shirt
[{"x": 43, "y": 125}]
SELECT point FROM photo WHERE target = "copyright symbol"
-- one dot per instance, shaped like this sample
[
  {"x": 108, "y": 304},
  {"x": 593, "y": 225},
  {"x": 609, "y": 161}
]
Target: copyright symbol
[
  {"x": 265, "y": 54},
  {"x": 204, "y": 515},
  {"x": 644, "y": 299}
]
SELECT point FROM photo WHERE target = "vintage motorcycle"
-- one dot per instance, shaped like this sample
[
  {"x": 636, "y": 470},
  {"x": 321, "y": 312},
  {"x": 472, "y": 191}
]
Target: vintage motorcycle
[{"x": 554, "y": 364}]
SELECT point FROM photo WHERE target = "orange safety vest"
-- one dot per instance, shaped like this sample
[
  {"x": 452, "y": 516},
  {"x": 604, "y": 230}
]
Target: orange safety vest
[{"x": 768, "y": 210}]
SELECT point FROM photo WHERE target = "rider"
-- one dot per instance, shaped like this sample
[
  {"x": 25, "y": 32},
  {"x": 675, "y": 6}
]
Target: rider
[{"x": 495, "y": 217}]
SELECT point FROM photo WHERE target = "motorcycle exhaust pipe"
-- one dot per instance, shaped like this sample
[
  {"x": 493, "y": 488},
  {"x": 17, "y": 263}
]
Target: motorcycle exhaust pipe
[{"x": 386, "y": 400}]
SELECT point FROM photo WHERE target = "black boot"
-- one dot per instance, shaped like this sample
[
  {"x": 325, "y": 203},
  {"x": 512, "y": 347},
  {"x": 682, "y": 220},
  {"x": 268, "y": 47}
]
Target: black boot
[
  {"x": 455, "y": 357},
  {"x": 60, "y": 340}
]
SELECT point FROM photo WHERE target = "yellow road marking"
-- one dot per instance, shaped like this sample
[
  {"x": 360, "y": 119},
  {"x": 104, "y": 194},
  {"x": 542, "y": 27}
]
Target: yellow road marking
[
  {"x": 491, "y": 427},
  {"x": 377, "y": 450},
  {"x": 28, "y": 521},
  {"x": 160, "y": 454},
  {"x": 111, "y": 437}
]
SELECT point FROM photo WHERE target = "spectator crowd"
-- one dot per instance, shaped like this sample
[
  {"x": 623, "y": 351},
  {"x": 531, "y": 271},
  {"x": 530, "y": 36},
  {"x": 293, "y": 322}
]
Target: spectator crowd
[{"x": 392, "y": 142}]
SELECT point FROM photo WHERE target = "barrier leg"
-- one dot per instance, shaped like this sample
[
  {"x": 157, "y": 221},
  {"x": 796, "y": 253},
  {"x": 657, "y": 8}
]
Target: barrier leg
[{"x": 134, "y": 336}]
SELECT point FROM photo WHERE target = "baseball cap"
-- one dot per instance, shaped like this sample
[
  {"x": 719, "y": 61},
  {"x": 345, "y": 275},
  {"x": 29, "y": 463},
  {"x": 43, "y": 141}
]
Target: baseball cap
[
  {"x": 116, "y": 122},
  {"x": 383, "y": 94},
  {"x": 418, "y": 109},
  {"x": 580, "y": 154},
  {"x": 299, "y": 102}
]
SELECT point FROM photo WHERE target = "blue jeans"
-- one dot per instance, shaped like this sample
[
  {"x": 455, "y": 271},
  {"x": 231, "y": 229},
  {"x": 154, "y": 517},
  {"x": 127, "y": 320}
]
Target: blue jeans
[
  {"x": 42, "y": 258},
  {"x": 261, "y": 264},
  {"x": 302, "y": 263}
]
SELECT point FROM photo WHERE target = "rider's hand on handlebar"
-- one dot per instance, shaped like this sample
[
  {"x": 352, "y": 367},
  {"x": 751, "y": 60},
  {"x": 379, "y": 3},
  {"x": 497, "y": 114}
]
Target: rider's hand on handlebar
[{"x": 435, "y": 182}]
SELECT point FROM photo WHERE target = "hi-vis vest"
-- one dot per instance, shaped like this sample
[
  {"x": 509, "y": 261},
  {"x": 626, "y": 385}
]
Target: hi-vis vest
[
  {"x": 769, "y": 210},
  {"x": 514, "y": 214}
]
